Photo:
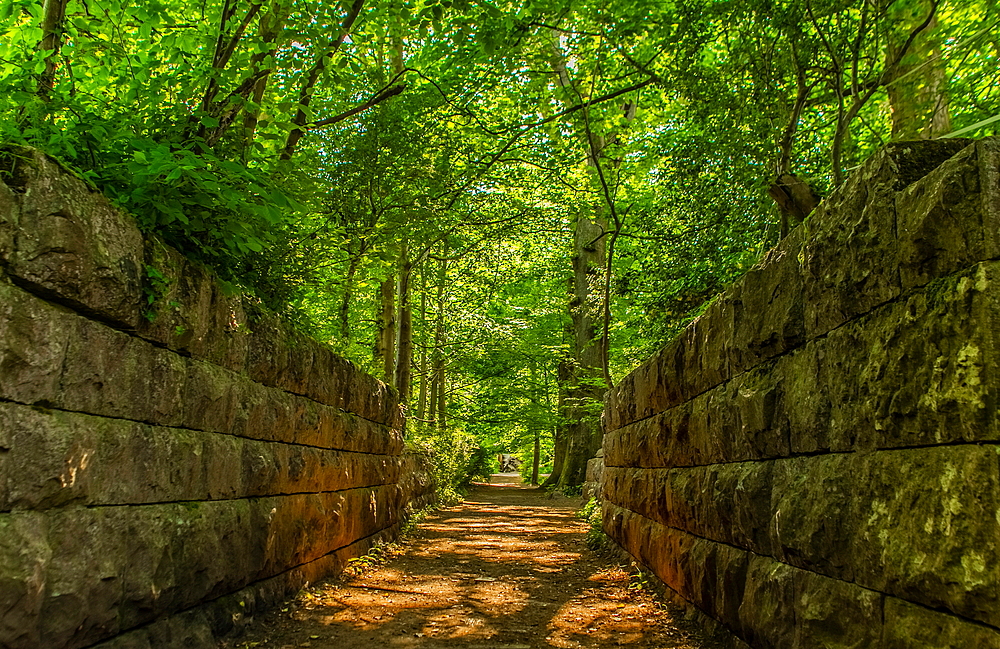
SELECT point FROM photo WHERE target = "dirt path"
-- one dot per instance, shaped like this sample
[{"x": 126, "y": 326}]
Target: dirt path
[{"x": 507, "y": 569}]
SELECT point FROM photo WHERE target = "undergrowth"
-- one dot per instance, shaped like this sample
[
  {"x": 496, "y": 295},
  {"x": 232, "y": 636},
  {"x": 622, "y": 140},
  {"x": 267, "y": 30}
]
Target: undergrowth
[
  {"x": 384, "y": 551},
  {"x": 597, "y": 540}
]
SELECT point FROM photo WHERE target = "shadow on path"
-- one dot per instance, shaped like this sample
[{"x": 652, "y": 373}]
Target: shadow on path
[{"x": 506, "y": 569}]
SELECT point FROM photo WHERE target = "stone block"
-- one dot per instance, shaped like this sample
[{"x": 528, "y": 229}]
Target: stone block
[
  {"x": 9, "y": 209},
  {"x": 260, "y": 412},
  {"x": 813, "y": 513},
  {"x": 267, "y": 353},
  {"x": 79, "y": 250},
  {"x": 851, "y": 258},
  {"x": 113, "y": 374},
  {"x": 71, "y": 577},
  {"x": 928, "y": 525},
  {"x": 822, "y": 399},
  {"x": 908, "y": 625},
  {"x": 946, "y": 341},
  {"x": 23, "y": 554},
  {"x": 767, "y": 303},
  {"x": 767, "y": 612},
  {"x": 943, "y": 339},
  {"x": 835, "y": 614},
  {"x": 191, "y": 313},
  {"x": 942, "y": 224},
  {"x": 651, "y": 388},
  {"x": 748, "y": 416},
  {"x": 744, "y": 495},
  {"x": 54, "y": 458},
  {"x": 657, "y": 441},
  {"x": 211, "y": 396},
  {"x": 33, "y": 340},
  {"x": 707, "y": 347}
]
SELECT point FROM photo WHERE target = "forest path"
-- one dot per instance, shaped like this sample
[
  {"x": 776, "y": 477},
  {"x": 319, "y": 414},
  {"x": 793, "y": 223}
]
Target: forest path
[{"x": 506, "y": 569}]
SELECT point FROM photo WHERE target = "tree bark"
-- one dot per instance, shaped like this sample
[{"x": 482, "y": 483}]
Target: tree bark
[
  {"x": 585, "y": 377},
  {"x": 385, "y": 339},
  {"x": 53, "y": 15},
  {"x": 564, "y": 379},
  {"x": 309, "y": 84},
  {"x": 345, "y": 303},
  {"x": 423, "y": 369},
  {"x": 439, "y": 397},
  {"x": 404, "y": 344},
  {"x": 918, "y": 96}
]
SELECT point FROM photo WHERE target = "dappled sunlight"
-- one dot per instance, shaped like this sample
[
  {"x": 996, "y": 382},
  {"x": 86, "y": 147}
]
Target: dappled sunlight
[{"x": 495, "y": 573}]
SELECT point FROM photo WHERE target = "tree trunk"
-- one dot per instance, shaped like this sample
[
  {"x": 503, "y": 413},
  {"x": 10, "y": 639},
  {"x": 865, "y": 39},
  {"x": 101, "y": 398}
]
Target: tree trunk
[
  {"x": 345, "y": 303},
  {"x": 586, "y": 376},
  {"x": 440, "y": 396},
  {"x": 308, "y": 87},
  {"x": 53, "y": 15},
  {"x": 423, "y": 369},
  {"x": 385, "y": 339},
  {"x": 536, "y": 456},
  {"x": 564, "y": 380},
  {"x": 918, "y": 98},
  {"x": 272, "y": 23},
  {"x": 404, "y": 344}
]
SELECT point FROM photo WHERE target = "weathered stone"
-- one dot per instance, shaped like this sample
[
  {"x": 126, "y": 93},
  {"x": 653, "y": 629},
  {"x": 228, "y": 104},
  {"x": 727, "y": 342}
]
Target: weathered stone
[
  {"x": 821, "y": 394},
  {"x": 33, "y": 340},
  {"x": 117, "y": 375},
  {"x": 941, "y": 339},
  {"x": 768, "y": 316},
  {"x": 142, "y": 471},
  {"x": 54, "y": 458},
  {"x": 813, "y": 513},
  {"x": 835, "y": 614},
  {"x": 749, "y": 416},
  {"x": 942, "y": 226},
  {"x": 649, "y": 389},
  {"x": 190, "y": 311},
  {"x": 79, "y": 250},
  {"x": 210, "y": 397},
  {"x": 78, "y": 575},
  {"x": 9, "y": 209},
  {"x": 767, "y": 612},
  {"x": 743, "y": 494},
  {"x": 927, "y": 528},
  {"x": 851, "y": 262},
  {"x": 883, "y": 387},
  {"x": 908, "y": 626},
  {"x": 23, "y": 555},
  {"x": 708, "y": 342},
  {"x": 416, "y": 479},
  {"x": 715, "y": 579}
]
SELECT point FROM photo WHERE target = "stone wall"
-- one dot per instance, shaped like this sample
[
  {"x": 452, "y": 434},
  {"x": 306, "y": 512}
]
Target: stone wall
[
  {"x": 163, "y": 479},
  {"x": 814, "y": 462}
]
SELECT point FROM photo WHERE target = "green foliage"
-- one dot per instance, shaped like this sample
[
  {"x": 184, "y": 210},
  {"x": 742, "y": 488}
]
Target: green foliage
[
  {"x": 596, "y": 539},
  {"x": 457, "y": 461},
  {"x": 154, "y": 288},
  {"x": 666, "y": 123}
]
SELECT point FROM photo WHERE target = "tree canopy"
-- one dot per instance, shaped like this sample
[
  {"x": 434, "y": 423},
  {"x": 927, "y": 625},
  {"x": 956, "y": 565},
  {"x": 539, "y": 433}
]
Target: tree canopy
[{"x": 498, "y": 207}]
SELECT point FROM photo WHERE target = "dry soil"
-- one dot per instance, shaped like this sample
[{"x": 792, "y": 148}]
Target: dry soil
[{"x": 506, "y": 569}]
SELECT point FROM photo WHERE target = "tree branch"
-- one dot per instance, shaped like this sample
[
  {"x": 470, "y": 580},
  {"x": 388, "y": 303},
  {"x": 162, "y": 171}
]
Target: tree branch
[{"x": 377, "y": 99}]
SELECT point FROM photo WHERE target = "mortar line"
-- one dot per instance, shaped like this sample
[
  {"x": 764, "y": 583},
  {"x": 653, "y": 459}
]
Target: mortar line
[
  {"x": 206, "y": 602},
  {"x": 819, "y": 574},
  {"x": 904, "y": 295},
  {"x": 159, "y": 503},
  {"x": 194, "y": 430},
  {"x": 804, "y": 454},
  {"x": 49, "y": 297}
]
